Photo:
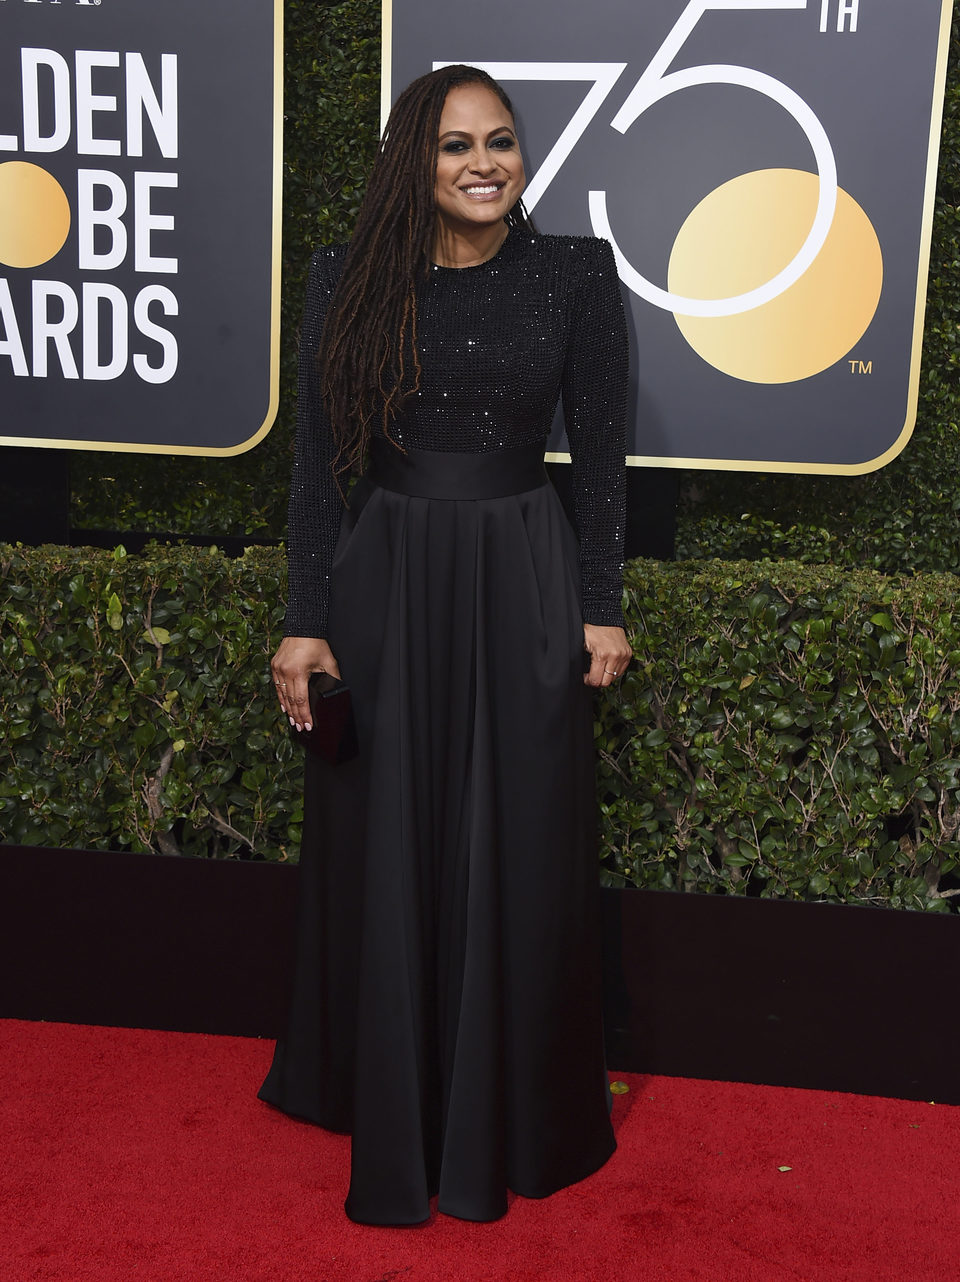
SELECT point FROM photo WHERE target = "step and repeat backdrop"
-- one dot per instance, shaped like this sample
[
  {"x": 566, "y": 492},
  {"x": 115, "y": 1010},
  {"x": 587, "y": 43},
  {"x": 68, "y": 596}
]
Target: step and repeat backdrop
[
  {"x": 139, "y": 223},
  {"x": 765, "y": 171}
]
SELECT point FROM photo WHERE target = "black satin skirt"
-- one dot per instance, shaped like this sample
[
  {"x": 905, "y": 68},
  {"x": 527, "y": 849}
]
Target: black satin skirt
[{"x": 446, "y": 1004}]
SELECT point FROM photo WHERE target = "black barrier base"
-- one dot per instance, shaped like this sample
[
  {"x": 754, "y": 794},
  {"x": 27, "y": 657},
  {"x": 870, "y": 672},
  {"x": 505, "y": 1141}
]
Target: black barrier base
[
  {"x": 809, "y": 995},
  {"x": 145, "y": 941},
  {"x": 822, "y": 996},
  {"x": 34, "y": 495}
]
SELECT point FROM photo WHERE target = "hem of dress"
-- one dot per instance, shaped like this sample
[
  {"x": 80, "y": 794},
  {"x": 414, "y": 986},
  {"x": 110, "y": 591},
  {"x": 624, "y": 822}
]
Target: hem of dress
[
  {"x": 474, "y": 1219},
  {"x": 462, "y": 1214},
  {"x": 302, "y": 1117},
  {"x": 567, "y": 1183},
  {"x": 388, "y": 1224},
  {"x": 510, "y": 1189}
]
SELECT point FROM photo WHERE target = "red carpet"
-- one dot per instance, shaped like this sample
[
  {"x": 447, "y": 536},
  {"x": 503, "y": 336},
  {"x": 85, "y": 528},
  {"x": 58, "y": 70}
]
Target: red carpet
[{"x": 145, "y": 1155}]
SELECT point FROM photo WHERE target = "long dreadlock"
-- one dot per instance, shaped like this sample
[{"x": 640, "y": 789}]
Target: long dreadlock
[{"x": 368, "y": 350}]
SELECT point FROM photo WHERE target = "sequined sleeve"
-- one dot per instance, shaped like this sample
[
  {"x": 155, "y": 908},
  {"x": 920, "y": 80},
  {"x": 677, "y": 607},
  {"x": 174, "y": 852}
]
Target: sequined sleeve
[
  {"x": 315, "y": 503},
  {"x": 594, "y": 409}
]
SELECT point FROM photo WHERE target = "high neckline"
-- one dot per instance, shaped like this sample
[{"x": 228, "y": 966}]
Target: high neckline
[{"x": 511, "y": 237}]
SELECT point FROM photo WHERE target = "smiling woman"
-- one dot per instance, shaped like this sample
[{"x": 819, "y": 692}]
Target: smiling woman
[
  {"x": 446, "y": 1002},
  {"x": 480, "y": 176}
]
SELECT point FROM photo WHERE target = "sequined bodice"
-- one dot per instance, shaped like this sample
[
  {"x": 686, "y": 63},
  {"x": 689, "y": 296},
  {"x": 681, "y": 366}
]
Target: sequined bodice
[{"x": 500, "y": 344}]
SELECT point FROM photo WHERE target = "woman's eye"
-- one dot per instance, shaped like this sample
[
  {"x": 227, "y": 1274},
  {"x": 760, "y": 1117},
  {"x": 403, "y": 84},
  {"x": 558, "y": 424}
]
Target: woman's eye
[{"x": 456, "y": 146}]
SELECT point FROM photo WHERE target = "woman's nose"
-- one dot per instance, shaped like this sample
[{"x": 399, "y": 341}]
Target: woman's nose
[{"x": 483, "y": 161}]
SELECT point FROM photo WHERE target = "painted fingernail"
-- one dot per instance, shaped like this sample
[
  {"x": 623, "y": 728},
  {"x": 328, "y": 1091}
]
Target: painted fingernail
[
  {"x": 291, "y": 720},
  {"x": 307, "y": 725}
]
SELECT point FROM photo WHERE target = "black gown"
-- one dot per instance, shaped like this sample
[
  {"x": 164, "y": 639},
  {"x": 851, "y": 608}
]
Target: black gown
[{"x": 446, "y": 1003}]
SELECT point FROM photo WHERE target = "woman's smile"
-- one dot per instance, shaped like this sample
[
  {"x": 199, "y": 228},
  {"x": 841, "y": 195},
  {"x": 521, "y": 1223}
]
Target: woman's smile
[{"x": 487, "y": 192}]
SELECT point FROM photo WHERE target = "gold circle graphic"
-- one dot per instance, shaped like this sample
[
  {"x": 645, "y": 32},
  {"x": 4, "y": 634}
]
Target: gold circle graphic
[
  {"x": 743, "y": 234},
  {"x": 34, "y": 215}
]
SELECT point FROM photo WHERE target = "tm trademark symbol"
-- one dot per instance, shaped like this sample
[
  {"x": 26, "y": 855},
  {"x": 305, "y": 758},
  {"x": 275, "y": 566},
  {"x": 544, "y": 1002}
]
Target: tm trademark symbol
[{"x": 861, "y": 367}]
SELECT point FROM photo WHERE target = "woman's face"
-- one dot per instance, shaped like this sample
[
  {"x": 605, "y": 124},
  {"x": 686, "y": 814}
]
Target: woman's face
[{"x": 479, "y": 167}]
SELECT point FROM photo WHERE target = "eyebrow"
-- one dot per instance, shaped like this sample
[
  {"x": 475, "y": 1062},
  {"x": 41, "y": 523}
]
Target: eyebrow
[{"x": 463, "y": 133}]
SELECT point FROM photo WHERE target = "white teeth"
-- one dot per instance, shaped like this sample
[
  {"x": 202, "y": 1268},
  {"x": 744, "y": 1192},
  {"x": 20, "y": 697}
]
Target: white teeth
[{"x": 481, "y": 191}]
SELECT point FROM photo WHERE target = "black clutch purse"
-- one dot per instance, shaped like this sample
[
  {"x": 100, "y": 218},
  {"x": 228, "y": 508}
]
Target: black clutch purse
[{"x": 334, "y": 733}]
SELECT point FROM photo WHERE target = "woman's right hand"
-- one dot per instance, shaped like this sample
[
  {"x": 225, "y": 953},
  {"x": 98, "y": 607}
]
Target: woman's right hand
[{"x": 291, "y": 666}]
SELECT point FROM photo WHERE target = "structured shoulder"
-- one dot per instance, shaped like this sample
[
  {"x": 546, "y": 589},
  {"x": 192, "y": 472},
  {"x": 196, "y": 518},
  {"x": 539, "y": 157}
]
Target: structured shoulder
[
  {"x": 576, "y": 262},
  {"x": 572, "y": 249},
  {"x": 326, "y": 264},
  {"x": 569, "y": 244},
  {"x": 330, "y": 253}
]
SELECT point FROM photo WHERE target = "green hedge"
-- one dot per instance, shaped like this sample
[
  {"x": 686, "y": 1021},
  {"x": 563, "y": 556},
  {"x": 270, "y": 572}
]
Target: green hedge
[
  {"x": 787, "y": 731},
  {"x": 137, "y": 708}
]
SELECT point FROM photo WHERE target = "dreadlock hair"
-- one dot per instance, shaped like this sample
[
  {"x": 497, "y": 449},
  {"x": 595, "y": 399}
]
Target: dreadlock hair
[{"x": 368, "y": 354}]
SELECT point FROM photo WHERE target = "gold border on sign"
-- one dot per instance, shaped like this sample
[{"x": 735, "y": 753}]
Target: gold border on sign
[
  {"x": 127, "y": 447},
  {"x": 386, "y": 61}
]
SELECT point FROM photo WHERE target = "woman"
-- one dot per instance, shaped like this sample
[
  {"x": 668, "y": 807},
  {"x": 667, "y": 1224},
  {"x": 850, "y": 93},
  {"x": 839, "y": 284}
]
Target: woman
[{"x": 446, "y": 1003}]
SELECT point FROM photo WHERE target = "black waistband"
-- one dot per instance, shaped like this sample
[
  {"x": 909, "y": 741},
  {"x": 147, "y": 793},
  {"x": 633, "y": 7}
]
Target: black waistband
[{"x": 437, "y": 474}]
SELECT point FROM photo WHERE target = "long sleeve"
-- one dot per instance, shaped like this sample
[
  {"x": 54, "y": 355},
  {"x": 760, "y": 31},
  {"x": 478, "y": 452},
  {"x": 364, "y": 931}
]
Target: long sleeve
[
  {"x": 315, "y": 502},
  {"x": 594, "y": 392}
]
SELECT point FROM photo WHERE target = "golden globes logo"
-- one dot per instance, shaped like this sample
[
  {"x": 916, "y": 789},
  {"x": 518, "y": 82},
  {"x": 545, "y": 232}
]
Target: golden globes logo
[
  {"x": 140, "y": 182},
  {"x": 776, "y": 274},
  {"x": 98, "y": 331}
]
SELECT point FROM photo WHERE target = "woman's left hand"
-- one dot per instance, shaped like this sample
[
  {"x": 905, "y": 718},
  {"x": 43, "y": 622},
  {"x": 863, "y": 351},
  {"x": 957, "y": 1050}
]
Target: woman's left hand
[{"x": 609, "y": 653}]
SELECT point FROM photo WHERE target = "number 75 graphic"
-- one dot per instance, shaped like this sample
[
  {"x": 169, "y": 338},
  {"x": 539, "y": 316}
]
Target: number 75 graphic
[{"x": 659, "y": 82}]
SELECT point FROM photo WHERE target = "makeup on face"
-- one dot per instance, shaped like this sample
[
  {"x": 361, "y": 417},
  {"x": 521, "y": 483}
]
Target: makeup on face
[{"x": 480, "y": 173}]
